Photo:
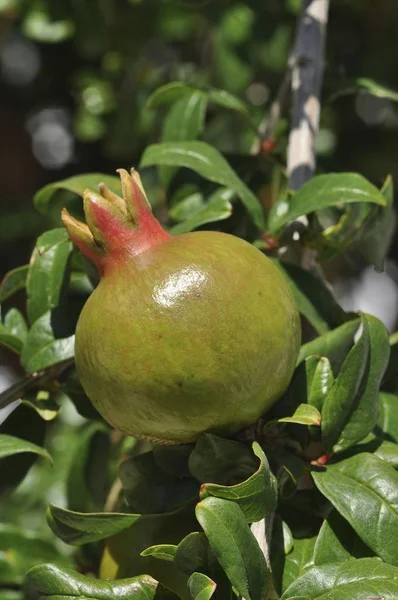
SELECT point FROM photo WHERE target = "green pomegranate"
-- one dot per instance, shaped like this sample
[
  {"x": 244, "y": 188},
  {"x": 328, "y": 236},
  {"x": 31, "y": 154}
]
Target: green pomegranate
[{"x": 183, "y": 335}]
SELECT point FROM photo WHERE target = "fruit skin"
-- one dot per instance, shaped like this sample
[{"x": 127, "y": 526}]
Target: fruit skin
[{"x": 195, "y": 333}]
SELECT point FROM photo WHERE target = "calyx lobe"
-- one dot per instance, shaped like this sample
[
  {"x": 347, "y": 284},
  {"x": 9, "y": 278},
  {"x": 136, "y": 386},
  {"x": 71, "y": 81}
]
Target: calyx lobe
[{"x": 117, "y": 228}]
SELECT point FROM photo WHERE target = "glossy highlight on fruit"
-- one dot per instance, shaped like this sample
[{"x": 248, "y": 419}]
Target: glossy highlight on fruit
[{"x": 183, "y": 335}]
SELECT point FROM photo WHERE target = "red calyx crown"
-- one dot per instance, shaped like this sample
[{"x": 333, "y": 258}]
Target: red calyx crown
[{"x": 117, "y": 227}]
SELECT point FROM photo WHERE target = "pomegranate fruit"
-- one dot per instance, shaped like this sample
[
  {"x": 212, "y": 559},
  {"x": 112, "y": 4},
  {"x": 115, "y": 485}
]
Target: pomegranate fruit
[{"x": 183, "y": 335}]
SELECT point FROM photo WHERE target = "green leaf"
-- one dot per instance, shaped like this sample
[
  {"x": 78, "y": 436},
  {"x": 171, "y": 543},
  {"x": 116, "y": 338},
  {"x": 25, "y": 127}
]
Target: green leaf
[
  {"x": 362, "y": 579},
  {"x": 51, "y": 581},
  {"x": 297, "y": 562},
  {"x": 351, "y": 407},
  {"x": 210, "y": 164},
  {"x": 169, "y": 93},
  {"x": 363, "y": 415},
  {"x": 305, "y": 414},
  {"x": 235, "y": 547},
  {"x": 338, "y": 542},
  {"x": 77, "y": 185},
  {"x": 173, "y": 459},
  {"x": 333, "y": 345},
  {"x": 376, "y": 235},
  {"x": 82, "y": 528},
  {"x": 165, "y": 552},
  {"x": 315, "y": 301},
  {"x": 184, "y": 121},
  {"x": 148, "y": 489},
  {"x": 194, "y": 553},
  {"x": 323, "y": 191},
  {"x": 229, "y": 101},
  {"x": 15, "y": 323},
  {"x": 41, "y": 350},
  {"x": 319, "y": 380},
  {"x": 222, "y": 461},
  {"x": 217, "y": 208},
  {"x": 387, "y": 420},
  {"x": 339, "y": 401},
  {"x": 364, "y": 84},
  {"x": 256, "y": 496},
  {"x": 10, "y": 445},
  {"x": 13, "y": 282},
  {"x": 43, "y": 403},
  {"x": 10, "y": 341},
  {"x": 201, "y": 587},
  {"x": 363, "y": 490},
  {"x": 47, "y": 272}
]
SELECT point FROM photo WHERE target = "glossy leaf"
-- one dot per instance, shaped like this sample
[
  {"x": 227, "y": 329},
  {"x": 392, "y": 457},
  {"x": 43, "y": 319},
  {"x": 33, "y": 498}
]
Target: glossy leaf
[
  {"x": 47, "y": 272},
  {"x": 41, "y": 350},
  {"x": 13, "y": 282},
  {"x": 338, "y": 542},
  {"x": 364, "y": 84},
  {"x": 351, "y": 406},
  {"x": 165, "y": 552},
  {"x": 305, "y": 414},
  {"x": 201, "y": 587},
  {"x": 81, "y": 528},
  {"x": 315, "y": 301},
  {"x": 323, "y": 191},
  {"x": 296, "y": 562},
  {"x": 229, "y": 101},
  {"x": 366, "y": 578},
  {"x": 339, "y": 401},
  {"x": 77, "y": 185},
  {"x": 256, "y": 496},
  {"x": 387, "y": 420},
  {"x": 216, "y": 209},
  {"x": 169, "y": 93},
  {"x": 319, "y": 380},
  {"x": 10, "y": 445},
  {"x": 235, "y": 547},
  {"x": 10, "y": 341},
  {"x": 219, "y": 460},
  {"x": 363, "y": 490},
  {"x": 376, "y": 235},
  {"x": 210, "y": 164},
  {"x": 184, "y": 121},
  {"x": 51, "y": 581},
  {"x": 333, "y": 345},
  {"x": 194, "y": 554},
  {"x": 15, "y": 323}
]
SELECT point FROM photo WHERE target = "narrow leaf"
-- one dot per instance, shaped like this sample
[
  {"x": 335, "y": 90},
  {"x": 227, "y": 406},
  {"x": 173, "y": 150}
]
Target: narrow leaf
[
  {"x": 82, "y": 528},
  {"x": 10, "y": 445},
  {"x": 77, "y": 185},
  {"x": 13, "y": 282},
  {"x": 234, "y": 546},
  {"x": 305, "y": 414},
  {"x": 256, "y": 496},
  {"x": 201, "y": 587},
  {"x": 210, "y": 164},
  {"x": 363, "y": 490},
  {"x": 54, "y": 582},
  {"x": 323, "y": 191}
]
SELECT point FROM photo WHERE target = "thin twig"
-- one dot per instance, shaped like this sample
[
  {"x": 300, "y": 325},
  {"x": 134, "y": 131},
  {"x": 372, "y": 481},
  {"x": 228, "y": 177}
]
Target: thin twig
[
  {"x": 278, "y": 108},
  {"x": 33, "y": 381},
  {"x": 307, "y": 75}
]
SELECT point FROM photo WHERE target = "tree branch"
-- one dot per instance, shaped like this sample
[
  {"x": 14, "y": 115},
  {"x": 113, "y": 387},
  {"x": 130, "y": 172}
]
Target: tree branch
[{"x": 307, "y": 74}]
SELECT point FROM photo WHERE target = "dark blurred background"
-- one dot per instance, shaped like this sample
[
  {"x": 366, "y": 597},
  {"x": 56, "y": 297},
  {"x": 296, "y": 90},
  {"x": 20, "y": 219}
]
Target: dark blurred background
[{"x": 75, "y": 76}]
